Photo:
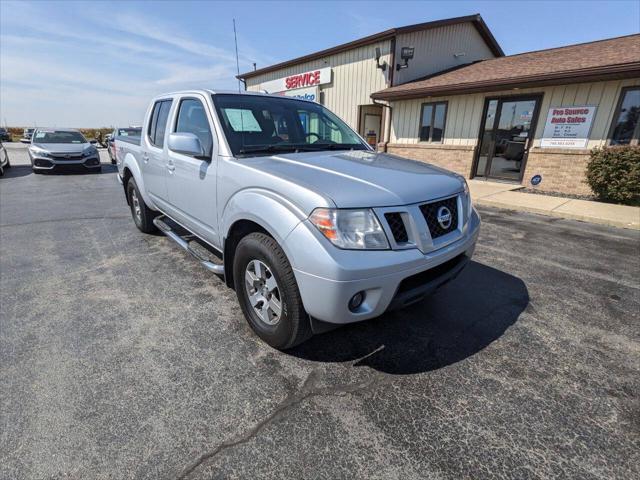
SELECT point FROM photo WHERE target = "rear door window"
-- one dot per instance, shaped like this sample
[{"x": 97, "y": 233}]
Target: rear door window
[
  {"x": 158, "y": 124},
  {"x": 153, "y": 121}
]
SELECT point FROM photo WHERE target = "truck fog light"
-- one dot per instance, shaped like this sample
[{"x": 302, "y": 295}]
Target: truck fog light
[{"x": 356, "y": 301}]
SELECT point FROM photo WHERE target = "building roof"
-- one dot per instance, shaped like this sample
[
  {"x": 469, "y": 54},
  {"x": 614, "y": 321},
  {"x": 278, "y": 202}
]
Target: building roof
[
  {"x": 600, "y": 60},
  {"x": 476, "y": 19}
]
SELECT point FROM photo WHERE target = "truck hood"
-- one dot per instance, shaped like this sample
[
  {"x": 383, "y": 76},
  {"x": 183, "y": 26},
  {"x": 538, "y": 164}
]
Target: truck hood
[
  {"x": 361, "y": 178},
  {"x": 62, "y": 147}
]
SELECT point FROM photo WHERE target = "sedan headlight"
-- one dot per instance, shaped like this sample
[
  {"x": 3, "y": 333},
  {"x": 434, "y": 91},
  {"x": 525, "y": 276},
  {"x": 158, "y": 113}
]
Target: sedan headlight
[
  {"x": 89, "y": 151},
  {"x": 38, "y": 152},
  {"x": 350, "y": 229}
]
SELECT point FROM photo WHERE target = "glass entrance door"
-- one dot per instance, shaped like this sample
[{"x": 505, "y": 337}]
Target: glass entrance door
[{"x": 507, "y": 131}]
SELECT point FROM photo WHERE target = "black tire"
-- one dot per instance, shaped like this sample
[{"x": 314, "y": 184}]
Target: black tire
[
  {"x": 144, "y": 218},
  {"x": 293, "y": 326}
]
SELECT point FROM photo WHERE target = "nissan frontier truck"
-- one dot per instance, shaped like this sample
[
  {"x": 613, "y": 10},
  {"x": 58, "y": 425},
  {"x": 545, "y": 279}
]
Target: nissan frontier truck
[{"x": 294, "y": 210}]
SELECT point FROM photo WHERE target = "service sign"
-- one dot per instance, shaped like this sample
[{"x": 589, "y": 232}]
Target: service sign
[
  {"x": 312, "y": 78},
  {"x": 568, "y": 127}
]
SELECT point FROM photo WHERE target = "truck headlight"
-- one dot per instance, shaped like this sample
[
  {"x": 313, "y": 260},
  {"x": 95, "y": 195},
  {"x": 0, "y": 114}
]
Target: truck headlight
[
  {"x": 350, "y": 229},
  {"x": 467, "y": 205}
]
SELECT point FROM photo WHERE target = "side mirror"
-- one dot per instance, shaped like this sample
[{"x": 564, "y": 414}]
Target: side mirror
[
  {"x": 93, "y": 142},
  {"x": 186, "y": 143}
]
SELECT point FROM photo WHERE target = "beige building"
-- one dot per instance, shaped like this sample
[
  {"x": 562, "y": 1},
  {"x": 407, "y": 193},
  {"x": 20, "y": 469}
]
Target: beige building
[
  {"x": 352, "y": 72},
  {"x": 444, "y": 92}
]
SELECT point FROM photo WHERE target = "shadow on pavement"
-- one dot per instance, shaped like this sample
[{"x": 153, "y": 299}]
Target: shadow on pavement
[
  {"x": 23, "y": 170},
  {"x": 16, "y": 171},
  {"x": 457, "y": 322}
]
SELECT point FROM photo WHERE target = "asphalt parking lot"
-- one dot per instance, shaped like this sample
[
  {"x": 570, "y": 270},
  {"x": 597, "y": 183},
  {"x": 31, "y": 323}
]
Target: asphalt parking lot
[{"x": 120, "y": 357}]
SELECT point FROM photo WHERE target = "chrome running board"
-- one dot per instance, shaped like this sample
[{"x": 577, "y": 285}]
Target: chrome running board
[{"x": 216, "y": 268}]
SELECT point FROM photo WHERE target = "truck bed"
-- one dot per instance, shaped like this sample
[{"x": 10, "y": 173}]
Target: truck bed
[{"x": 129, "y": 139}]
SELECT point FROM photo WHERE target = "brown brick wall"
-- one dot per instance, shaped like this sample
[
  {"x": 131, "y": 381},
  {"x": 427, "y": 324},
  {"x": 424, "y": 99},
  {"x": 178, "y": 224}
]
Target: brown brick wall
[
  {"x": 452, "y": 157},
  {"x": 561, "y": 170}
]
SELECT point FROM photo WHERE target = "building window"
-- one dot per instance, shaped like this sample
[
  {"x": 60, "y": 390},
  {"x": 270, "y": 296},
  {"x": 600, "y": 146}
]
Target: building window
[
  {"x": 432, "y": 120},
  {"x": 625, "y": 129}
]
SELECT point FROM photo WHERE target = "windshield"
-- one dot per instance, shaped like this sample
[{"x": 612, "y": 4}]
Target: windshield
[
  {"x": 129, "y": 132},
  {"x": 260, "y": 124},
  {"x": 57, "y": 136}
]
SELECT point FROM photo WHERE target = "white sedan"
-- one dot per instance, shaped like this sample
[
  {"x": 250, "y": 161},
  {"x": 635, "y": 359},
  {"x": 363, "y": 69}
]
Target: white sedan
[{"x": 4, "y": 159}]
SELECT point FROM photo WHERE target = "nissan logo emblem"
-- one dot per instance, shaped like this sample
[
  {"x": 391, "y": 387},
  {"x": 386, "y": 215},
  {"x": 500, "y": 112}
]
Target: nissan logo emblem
[{"x": 444, "y": 217}]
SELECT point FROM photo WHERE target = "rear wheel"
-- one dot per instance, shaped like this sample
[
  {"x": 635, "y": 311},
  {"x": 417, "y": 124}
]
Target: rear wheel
[
  {"x": 268, "y": 292},
  {"x": 142, "y": 215}
]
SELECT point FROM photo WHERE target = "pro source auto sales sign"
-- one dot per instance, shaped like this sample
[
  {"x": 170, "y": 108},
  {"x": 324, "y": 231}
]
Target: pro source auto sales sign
[{"x": 568, "y": 127}]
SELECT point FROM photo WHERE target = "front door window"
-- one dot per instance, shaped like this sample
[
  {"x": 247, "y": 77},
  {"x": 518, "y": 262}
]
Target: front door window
[{"x": 506, "y": 136}]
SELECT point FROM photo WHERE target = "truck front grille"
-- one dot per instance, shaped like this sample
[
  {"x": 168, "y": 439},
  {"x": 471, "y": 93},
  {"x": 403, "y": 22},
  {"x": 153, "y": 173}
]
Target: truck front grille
[
  {"x": 430, "y": 213},
  {"x": 396, "y": 224}
]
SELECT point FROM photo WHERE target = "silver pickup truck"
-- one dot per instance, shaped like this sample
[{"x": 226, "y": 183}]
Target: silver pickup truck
[{"x": 280, "y": 197}]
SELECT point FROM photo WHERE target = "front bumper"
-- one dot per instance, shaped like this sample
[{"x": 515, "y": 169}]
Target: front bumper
[
  {"x": 389, "y": 279},
  {"x": 49, "y": 163}
]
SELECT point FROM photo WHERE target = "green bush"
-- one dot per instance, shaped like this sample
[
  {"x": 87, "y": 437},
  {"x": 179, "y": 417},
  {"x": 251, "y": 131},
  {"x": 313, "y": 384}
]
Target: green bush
[{"x": 613, "y": 173}]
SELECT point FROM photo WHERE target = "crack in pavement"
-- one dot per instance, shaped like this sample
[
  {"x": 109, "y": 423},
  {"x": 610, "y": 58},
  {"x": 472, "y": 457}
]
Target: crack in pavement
[
  {"x": 64, "y": 220},
  {"x": 309, "y": 389}
]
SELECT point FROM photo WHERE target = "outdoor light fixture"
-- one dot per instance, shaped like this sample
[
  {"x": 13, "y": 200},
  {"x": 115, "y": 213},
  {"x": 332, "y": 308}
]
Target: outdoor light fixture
[
  {"x": 406, "y": 54},
  {"x": 382, "y": 66}
]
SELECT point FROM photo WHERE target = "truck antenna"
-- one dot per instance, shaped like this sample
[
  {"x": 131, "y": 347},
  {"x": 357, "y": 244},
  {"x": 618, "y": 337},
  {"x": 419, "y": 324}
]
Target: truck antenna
[{"x": 235, "y": 36}]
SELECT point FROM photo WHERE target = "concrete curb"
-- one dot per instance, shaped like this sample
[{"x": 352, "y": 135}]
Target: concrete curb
[
  {"x": 488, "y": 202},
  {"x": 506, "y": 196}
]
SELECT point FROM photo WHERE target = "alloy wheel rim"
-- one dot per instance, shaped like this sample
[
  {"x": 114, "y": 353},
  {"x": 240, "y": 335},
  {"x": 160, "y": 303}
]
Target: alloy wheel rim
[
  {"x": 263, "y": 292},
  {"x": 137, "y": 210}
]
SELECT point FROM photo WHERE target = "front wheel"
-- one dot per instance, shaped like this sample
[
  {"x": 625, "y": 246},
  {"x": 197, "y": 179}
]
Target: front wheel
[
  {"x": 142, "y": 215},
  {"x": 268, "y": 292}
]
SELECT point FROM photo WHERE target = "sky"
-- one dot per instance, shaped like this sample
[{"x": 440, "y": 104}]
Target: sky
[{"x": 93, "y": 64}]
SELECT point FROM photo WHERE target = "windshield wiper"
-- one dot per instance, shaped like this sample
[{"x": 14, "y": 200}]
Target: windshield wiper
[
  {"x": 268, "y": 148},
  {"x": 334, "y": 146},
  {"x": 297, "y": 147}
]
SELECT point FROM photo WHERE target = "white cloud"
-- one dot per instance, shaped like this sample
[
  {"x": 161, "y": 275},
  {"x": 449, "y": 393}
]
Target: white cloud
[
  {"x": 93, "y": 70},
  {"x": 158, "y": 32}
]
